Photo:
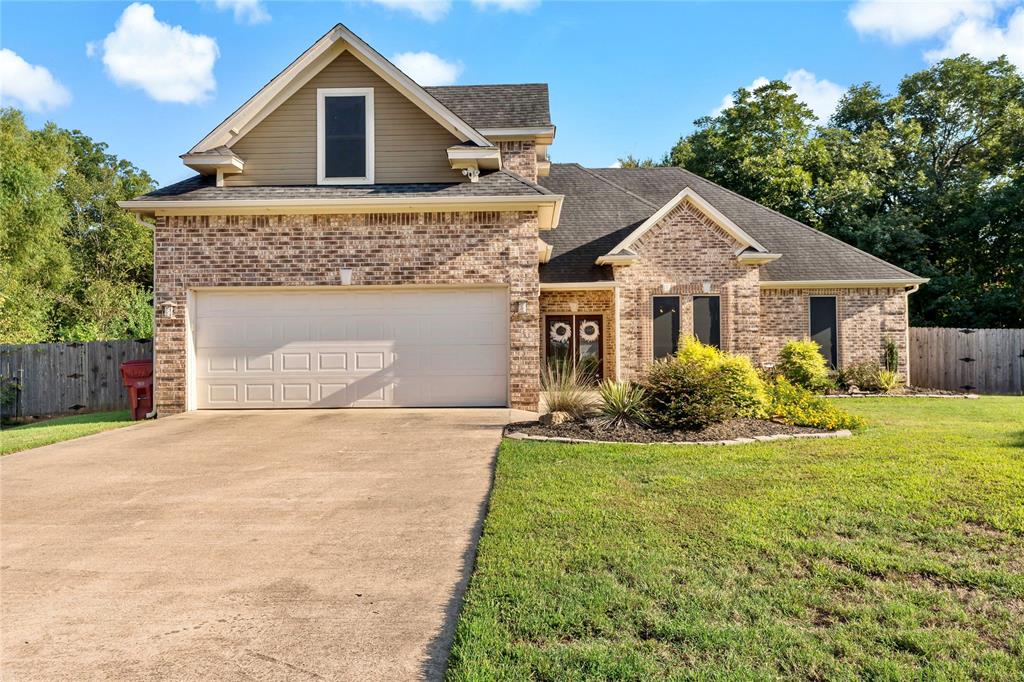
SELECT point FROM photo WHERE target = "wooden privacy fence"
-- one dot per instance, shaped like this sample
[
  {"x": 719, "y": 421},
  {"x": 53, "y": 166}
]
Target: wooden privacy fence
[
  {"x": 976, "y": 360},
  {"x": 47, "y": 379}
]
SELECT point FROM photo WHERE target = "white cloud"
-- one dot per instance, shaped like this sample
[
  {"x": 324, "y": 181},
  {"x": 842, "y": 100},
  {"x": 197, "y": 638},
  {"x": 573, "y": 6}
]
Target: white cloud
[
  {"x": 972, "y": 26},
  {"x": 728, "y": 101},
  {"x": 616, "y": 164},
  {"x": 167, "y": 62},
  {"x": 426, "y": 68},
  {"x": 429, "y": 10},
  {"x": 31, "y": 87},
  {"x": 985, "y": 41},
  {"x": 902, "y": 22},
  {"x": 245, "y": 11},
  {"x": 821, "y": 95},
  {"x": 507, "y": 5}
]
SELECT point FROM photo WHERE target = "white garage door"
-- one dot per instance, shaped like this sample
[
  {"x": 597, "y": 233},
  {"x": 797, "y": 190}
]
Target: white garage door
[{"x": 351, "y": 348}]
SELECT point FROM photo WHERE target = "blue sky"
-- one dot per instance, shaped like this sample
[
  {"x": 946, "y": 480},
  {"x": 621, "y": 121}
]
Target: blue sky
[{"x": 624, "y": 77}]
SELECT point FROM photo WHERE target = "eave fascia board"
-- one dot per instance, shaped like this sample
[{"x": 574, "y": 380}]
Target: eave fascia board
[
  {"x": 703, "y": 206},
  {"x": 843, "y": 283},
  {"x": 758, "y": 258},
  {"x": 547, "y": 205},
  {"x": 540, "y": 134},
  {"x": 311, "y": 62},
  {"x": 488, "y": 158},
  {"x": 543, "y": 251},
  {"x": 618, "y": 259},
  {"x": 578, "y": 286}
]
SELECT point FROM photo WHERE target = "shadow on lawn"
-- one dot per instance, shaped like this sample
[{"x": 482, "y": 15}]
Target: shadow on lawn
[
  {"x": 436, "y": 664},
  {"x": 1017, "y": 440}
]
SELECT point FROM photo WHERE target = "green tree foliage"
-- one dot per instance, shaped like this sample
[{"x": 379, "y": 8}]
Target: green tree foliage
[
  {"x": 73, "y": 265},
  {"x": 930, "y": 178}
]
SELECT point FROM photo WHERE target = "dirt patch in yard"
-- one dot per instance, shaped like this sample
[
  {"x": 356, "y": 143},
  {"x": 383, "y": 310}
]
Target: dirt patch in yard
[{"x": 631, "y": 433}]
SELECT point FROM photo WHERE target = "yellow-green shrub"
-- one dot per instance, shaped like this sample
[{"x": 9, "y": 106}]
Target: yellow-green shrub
[
  {"x": 802, "y": 364},
  {"x": 798, "y": 406},
  {"x": 737, "y": 374}
]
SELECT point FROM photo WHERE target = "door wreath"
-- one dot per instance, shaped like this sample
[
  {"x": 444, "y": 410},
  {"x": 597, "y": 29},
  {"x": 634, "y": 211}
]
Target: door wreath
[
  {"x": 589, "y": 330},
  {"x": 560, "y": 332}
]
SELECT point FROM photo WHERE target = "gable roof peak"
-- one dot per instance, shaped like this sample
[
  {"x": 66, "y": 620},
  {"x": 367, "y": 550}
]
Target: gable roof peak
[{"x": 321, "y": 53}]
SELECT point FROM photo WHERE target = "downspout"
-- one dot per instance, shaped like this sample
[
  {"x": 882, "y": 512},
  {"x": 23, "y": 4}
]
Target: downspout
[
  {"x": 906, "y": 334},
  {"x": 152, "y": 413},
  {"x": 618, "y": 347}
]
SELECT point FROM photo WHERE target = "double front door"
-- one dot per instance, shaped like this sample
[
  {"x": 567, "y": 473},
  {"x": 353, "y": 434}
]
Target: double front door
[{"x": 576, "y": 341}]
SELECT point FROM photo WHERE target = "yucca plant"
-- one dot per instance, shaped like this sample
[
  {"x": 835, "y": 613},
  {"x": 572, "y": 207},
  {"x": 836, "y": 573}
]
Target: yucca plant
[
  {"x": 622, "y": 402},
  {"x": 565, "y": 390},
  {"x": 887, "y": 380}
]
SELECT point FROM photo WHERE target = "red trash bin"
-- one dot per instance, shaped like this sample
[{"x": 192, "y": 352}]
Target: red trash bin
[{"x": 138, "y": 378}]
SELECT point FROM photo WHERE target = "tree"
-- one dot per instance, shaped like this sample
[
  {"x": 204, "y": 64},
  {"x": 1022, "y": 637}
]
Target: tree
[
  {"x": 630, "y": 161},
  {"x": 74, "y": 265},
  {"x": 929, "y": 178},
  {"x": 761, "y": 147}
]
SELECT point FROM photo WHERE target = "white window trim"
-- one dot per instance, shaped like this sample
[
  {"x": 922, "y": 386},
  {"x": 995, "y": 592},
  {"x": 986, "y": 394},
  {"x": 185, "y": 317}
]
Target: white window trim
[{"x": 321, "y": 95}]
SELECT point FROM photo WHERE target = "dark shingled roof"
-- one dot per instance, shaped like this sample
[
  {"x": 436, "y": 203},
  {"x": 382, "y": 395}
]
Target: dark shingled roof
[
  {"x": 521, "y": 105},
  {"x": 603, "y": 205},
  {"x": 203, "y": 188}
]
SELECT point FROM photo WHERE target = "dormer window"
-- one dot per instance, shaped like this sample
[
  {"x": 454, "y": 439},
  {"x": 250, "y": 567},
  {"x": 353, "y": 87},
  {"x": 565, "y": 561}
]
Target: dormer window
[{"x": 344, "y": 136}]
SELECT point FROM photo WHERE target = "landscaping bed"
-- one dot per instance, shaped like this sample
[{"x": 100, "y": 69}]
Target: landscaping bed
[{"x": 593, "y": 430}]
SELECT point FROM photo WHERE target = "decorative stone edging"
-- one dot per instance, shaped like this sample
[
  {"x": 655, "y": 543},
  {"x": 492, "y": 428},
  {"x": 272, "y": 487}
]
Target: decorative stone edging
[
  {"x": 955, "y": 396},
  {"x": 842, "y": 433}
]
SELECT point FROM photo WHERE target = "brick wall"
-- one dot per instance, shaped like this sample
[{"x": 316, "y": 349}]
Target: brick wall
[
  {"x": 382, "y": 249},
  {"x": 866, "y": 318},
  {"x": 520, "y": 157},
  {"x": 588, "y": 302},
  {"x": 684, "y": 251}
]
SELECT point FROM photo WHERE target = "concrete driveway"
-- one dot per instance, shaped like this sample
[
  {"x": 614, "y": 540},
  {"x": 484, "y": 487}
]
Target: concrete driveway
[{"x": 306, "y": 544}]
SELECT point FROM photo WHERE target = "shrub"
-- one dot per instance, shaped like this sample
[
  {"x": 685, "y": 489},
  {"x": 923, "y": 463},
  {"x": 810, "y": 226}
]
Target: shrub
[
  {"x": 891, "y": 355},
  {"x": 685, "y": 395},
  {"x": 691, "y": 349},
  {"x": 863, "y": 375},
  {"x": 622, "y": 402},
  {"x": 565, "y": 390},
  {"x": 798, "y": 406},
  {"x": 802, "y": 364},
  {"x": 887, "y": 380},
  {"x": 868, "y": 376},
  {"x": 737, "y": 374}
]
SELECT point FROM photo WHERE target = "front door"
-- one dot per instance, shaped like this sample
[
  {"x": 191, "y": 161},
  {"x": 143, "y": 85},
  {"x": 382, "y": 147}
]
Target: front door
[{"x": 576, "y": 341}]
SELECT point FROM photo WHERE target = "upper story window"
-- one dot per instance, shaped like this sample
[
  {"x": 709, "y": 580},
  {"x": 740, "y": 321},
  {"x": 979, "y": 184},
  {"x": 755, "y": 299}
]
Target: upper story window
[{"x": 344, "y": 136}]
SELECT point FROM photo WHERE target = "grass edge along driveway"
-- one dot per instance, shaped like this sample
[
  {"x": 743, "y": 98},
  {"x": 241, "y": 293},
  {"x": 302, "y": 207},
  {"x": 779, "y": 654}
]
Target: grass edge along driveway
[
  {"x": 897, "y": 554},
  {"x": 18, "y": 438}
]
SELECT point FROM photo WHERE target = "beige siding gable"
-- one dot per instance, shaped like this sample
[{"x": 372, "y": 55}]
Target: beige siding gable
[{"x": 410, "y": 145}]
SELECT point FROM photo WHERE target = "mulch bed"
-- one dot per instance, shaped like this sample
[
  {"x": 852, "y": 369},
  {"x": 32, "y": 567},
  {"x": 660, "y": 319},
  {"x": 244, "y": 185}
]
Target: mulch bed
[
  {"x": 904, "y": 392},
  {"x": 591, "y": 430}
]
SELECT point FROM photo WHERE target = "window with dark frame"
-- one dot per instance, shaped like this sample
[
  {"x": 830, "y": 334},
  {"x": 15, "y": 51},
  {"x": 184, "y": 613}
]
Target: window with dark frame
[
  {"x": 823, "y": 327},
  {"x": 666, "y": 326},
  {"x": 707, "y": 320},
  {"x": 344, "y": 136}
]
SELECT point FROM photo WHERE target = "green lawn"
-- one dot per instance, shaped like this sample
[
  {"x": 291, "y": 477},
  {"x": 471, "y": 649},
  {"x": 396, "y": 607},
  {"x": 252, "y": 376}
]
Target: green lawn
[
  {"x": 14, "y": 439},
  {"x": 897, "y": 554}
]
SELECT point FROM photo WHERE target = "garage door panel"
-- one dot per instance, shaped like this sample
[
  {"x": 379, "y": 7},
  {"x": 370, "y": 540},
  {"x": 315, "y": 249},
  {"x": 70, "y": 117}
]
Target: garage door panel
[{"x": 307, "y": 348}]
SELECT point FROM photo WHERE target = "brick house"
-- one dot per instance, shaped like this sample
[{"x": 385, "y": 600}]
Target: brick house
[{"x": 354, "y": 239}]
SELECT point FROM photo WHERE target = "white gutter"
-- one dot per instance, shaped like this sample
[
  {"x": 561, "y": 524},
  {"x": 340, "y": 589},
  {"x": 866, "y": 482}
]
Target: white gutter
[
  {"x": 549, "y": 206},
  {"x": 843, "y": 283}
]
